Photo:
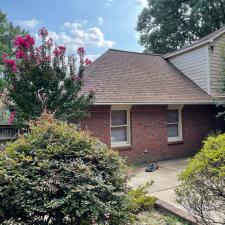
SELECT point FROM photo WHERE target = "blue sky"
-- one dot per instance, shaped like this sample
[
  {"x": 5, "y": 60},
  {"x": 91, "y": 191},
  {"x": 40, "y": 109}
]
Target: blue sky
[{"x": 95, "y": 24}]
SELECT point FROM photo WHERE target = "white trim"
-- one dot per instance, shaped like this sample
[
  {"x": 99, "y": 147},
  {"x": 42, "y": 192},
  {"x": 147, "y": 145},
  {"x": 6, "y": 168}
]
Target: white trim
[
  {"x": 121, "y": 143},
  {"x": 186, "y": 49},
  {"x": 179, "y": 123},
  {"x": 193, "y": 46},
  {"x": 208, "y": 70}
]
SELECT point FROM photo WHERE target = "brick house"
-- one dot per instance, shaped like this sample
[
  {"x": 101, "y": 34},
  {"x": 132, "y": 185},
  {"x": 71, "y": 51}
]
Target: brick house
[{"x": 152, "y": 107}]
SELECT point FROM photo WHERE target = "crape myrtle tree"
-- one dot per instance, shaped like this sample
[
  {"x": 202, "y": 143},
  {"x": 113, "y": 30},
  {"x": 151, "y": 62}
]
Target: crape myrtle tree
[
  {"x": 43, "y": 78},
  {"x": 165, "y": 26}
]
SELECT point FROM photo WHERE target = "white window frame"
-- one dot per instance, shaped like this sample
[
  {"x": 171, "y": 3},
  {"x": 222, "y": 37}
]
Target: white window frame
[
  {"x": 121, "y": 143},
  {"x": 180, "y": 132}
]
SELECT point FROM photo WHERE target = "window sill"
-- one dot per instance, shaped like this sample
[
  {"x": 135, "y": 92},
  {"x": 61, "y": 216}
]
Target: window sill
[
  {"x": 121, "y": 147},
  {"x": 175, "y": 142}
]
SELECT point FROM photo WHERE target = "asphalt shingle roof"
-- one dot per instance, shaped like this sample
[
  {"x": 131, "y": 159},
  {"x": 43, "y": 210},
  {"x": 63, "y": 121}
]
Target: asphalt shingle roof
[{"x": 136, "y": 78}]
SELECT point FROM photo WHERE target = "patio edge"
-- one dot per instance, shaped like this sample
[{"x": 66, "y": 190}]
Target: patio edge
[{"x": 168, "y": 208}]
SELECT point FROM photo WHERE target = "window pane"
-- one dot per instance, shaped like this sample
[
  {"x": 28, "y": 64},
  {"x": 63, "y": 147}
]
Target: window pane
[
  {"x": 172, "y": 116},
  {"x": 119, "y": 117},
  {"x": 118, "y": 134},
  {"x": 172, "y": 130}
]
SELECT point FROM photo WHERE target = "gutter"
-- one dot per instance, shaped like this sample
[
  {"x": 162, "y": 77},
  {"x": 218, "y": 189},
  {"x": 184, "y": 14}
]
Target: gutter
[{"x": 155, "y": 103}]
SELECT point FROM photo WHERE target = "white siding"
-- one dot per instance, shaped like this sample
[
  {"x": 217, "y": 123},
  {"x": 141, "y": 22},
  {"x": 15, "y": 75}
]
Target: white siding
[
  {"x": 194, "y": 64},
  {"x": 217, "y": 67}
]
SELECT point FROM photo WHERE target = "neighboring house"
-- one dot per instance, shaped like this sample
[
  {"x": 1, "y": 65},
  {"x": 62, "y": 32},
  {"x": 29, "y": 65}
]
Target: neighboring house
[{"x": 154, "y": 107}]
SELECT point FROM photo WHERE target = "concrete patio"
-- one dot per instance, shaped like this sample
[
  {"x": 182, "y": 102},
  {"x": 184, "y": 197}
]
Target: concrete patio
[{"x": 165, "y": 179}]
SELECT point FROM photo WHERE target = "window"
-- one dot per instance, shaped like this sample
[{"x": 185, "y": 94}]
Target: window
[
  {"x": 120, "y": 128},
  {"x": 174, "y": 125}
]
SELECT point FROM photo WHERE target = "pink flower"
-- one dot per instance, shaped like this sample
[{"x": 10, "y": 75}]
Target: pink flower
[
  {"x": 87, "y": 61},
  {"x": 49, "y": 42},
  {"x": 30, "y": 40},
  {"x": 18, "y": 41},
  {"x": 81, "y": 51},
  {"x": 11, "y": 118},
  {"x": 48, "y": 58},
  {"x": 20, "y": 54},
  {"x": 59, "y": 51},
  {"x": 56, "y": 52},
  {"x": 24, "y": 42},
  {"x": 43, "y": 32},
  {"x": 62, "y": 49},
  {"x": 10, "y": 63}
]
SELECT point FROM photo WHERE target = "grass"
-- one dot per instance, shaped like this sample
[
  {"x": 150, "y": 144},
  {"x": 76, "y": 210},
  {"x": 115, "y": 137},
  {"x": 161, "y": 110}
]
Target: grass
[{"x": 157, "y": 218}]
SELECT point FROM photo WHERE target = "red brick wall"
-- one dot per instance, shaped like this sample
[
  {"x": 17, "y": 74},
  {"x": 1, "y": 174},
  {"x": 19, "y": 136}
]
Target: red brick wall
[
  {"x": 98, "y": 123},
  {"x": 148, "y": 131}
]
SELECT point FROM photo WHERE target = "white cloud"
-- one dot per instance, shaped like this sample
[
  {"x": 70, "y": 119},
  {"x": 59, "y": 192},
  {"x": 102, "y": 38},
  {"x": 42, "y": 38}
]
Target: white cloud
[
  {"x": 29, "y": 24},
  {"x": 143, "y": 3},
  {"x": 100, "y": 20},
  {"x": 74, "y": 35}
]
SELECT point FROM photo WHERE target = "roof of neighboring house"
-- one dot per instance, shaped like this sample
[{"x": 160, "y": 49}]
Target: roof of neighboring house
[
  {"x": 121, "y": 77},
  {"x": 205, "y": 40}
]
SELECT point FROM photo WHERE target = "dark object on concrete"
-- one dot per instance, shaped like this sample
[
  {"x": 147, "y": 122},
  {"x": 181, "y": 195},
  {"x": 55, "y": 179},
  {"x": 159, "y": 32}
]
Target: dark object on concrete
[{"x": 151, "y": 167}]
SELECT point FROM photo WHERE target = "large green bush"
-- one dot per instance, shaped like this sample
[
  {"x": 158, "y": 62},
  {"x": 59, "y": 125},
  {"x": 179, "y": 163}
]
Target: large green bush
[
  {"x": 202, "y": 189},
  {"x": 57, "y": 175}
]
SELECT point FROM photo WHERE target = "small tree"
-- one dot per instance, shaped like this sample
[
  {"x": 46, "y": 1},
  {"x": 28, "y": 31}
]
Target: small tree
[
  {"x": 40, "y": 78},
  {"x": 56, "y": 175},
  {"x": 202, "y": 189}
]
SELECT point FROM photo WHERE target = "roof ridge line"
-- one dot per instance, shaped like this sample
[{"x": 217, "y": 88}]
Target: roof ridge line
[{"x": 141, "y": 53}]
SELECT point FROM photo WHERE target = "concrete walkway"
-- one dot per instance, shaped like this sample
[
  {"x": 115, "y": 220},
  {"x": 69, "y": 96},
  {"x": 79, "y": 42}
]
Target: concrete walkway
[{"x": 165, "y": 179}]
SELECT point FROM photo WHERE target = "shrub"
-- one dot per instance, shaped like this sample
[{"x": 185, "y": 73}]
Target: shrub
[
  {"x": 139, "y": 200},
  {"x": 202, "y": 189},
  {"x": 57, "y": 175}
]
